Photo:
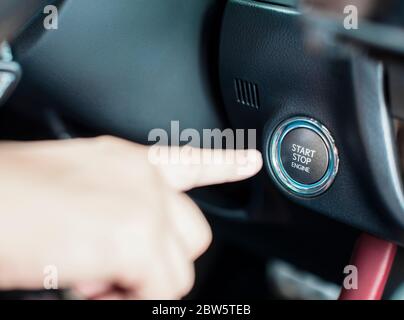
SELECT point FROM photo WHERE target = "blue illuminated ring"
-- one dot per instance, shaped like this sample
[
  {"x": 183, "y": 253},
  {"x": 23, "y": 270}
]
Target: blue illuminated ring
[{"x": 278, "y": 170}]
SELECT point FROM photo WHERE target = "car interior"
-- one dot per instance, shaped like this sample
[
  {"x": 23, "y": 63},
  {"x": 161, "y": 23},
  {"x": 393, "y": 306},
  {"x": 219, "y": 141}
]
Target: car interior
[{"x": 279, "y": 67}]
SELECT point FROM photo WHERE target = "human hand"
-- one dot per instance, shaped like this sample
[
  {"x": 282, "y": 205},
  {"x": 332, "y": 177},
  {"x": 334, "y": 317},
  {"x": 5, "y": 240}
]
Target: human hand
[{"x": 114, "y": 225}]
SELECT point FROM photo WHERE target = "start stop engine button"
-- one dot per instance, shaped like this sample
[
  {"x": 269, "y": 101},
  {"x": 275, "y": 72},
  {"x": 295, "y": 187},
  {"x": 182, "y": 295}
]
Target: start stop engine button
[{"x": 303, "y": 157}]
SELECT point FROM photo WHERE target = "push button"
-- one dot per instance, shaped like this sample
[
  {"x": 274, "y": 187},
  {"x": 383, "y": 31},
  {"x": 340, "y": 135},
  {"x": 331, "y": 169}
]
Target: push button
[{"x": 303, "y": 157}]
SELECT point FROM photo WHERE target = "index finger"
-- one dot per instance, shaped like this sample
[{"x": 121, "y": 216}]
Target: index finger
[{"x": 187, "y": 168}]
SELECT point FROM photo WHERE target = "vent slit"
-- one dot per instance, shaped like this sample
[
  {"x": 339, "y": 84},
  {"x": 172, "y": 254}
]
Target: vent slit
[
  {"x": 236, "y": 88},
  {"x": 246, "y": 93},
  {"x": 255, "y": 89},
  {"x": 240, "y": 86},
  {"x": 250, "y": 95}
]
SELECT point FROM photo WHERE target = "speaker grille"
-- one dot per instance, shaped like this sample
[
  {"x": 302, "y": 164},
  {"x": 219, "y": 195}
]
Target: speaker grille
[{"x": 246, "y": 93}]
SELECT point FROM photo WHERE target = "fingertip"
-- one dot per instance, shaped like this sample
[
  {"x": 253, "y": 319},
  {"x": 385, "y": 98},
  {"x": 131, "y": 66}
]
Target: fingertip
[{"x": 251, "y": 163}]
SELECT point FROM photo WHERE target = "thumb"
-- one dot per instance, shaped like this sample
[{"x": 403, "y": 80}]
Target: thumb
[{"x": 187, "y": 168}]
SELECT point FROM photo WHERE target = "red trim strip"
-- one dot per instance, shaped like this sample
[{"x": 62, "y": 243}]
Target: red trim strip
[{"x": 373, "y": 258}]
